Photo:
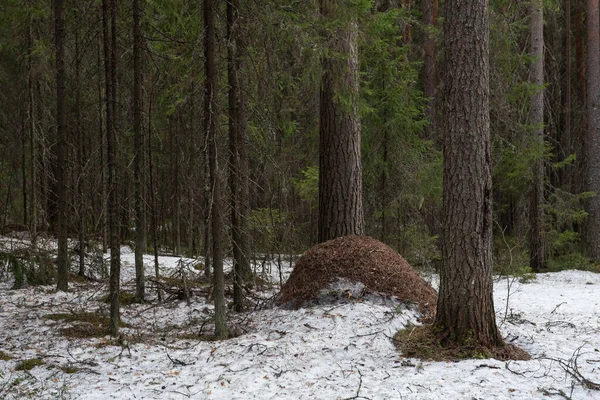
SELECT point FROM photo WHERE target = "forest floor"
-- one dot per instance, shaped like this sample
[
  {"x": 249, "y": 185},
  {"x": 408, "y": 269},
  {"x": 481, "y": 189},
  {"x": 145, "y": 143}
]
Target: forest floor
[{"x": 339, "y": 350}]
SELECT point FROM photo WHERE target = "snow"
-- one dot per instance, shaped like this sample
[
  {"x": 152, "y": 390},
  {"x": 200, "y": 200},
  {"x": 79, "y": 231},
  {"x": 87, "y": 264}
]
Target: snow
[{"x": 337, "y": 350}]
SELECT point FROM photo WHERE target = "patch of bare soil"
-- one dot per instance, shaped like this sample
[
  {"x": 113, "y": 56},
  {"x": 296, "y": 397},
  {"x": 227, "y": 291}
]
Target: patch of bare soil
[{"x": 358, "y": 259}]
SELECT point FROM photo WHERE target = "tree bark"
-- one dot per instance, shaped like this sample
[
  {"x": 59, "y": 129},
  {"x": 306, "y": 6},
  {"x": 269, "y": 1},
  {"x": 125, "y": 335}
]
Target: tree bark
[
  {"x": 565, "y": 137},
  {"x": 580, "y": 50},
  {"x": 139, "y": 176},
  {"x": 592, "y": 140},
  {"x": 62, "y": 277},
  {"x": 430, "y": 65},
  {"x": 465, "y": 310},
  {"x": 210, "y": 104},
  {"x": 80, "y": 149},
  {"x": 238, "y": 177},
  {"x": 33, "y": 142},
  {"x": 536, "y": 120},
  {"x": 108, "y": 10},
  {"x": 340, "y": 170}
]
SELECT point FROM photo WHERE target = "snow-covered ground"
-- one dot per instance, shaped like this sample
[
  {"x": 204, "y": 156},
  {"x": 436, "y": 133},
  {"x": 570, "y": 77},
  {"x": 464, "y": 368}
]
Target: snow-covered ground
[{"x": 334, "y": 351}]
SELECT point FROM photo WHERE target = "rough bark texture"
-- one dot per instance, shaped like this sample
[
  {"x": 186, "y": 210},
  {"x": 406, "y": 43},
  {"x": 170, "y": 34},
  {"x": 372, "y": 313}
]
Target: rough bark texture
[
  {"x": 140, "y": 221},
  {"x": 340, "y": 171},
  {"x": 430, "y": 66},
  {"x": 592, "y": 140},
  {"x": 62, "y": 276},
  {"x": 465, "y": 310},
  {"x": 536, "y": 119},
  {"x": 210, "y": 104}
]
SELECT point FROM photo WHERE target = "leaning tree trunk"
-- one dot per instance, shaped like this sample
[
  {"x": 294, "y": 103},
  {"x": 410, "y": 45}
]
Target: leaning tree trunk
[
  {"x": 465, "y": 310},
  {"x": 592, "y": 140},
  {"x": 62, "y": 276},
  {"x": 210, "y": 105},
  {"x": 536, "y": 120},
  {"x": 340, "y": 170}
]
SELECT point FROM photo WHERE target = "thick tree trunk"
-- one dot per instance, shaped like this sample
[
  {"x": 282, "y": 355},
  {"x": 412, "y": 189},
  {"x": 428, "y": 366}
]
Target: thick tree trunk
[
  {"x": 536, "y": 120},
  {"x": 210, "y": 103},
  {"x": 465, "y": 311},
  {"x": 140, "y": 220},
  {"x": 592, "y": 140},
  {"x": 340, "y": 170},
  {"x": 62, "y": 276}
]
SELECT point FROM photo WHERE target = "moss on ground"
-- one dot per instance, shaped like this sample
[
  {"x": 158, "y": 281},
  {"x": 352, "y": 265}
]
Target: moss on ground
[
  {"x": 28, "y": 365},
  {"x": 423, "y": 342},
  {"x": 84, "y": 324}
]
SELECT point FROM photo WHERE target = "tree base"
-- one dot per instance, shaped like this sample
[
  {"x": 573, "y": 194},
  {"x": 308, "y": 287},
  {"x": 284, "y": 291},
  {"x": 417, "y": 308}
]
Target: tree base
[{"x": 424, "y": 342}]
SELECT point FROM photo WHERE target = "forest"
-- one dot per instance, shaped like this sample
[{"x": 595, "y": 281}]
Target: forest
[{"x": 233, "y": 136}]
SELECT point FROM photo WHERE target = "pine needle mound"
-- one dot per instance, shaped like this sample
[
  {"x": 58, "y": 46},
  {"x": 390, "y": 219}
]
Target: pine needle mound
[{"x": 358, "y": 259}]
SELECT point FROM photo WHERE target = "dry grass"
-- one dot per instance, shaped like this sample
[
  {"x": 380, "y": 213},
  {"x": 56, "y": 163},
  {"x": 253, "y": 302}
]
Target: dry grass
[{"x": 84, "y": 324}]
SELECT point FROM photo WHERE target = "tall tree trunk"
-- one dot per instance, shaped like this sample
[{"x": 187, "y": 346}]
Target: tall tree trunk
[
  {"x": 580, "y": 50},
  {"x": 24, "y": 168},
  {"x": 536, "y": 120},
  {"x": 138, "y": 179},
  {"x": 340, "y": 169},
  {"x": 465, "y": 310},
  {"x": 102, "y": 102},
  {"x": 80, "y": 146},
  {"x": 238, "y": 156},
  {"x": 108, "y": 10},
  {"x": 62, "y": 276},
  {"x": 33, "y": 142},
  {"x": 176, "y": 152},
  {"x": 207, "y": 212},
  {"x": 210, "y": 114},
  {"x": 579, "y": 134},
  {"x": 592, "y": 140},
  {"x": 430, "y": 65},
  {"x": 153, "y": 196},
  {"x": 565, "y": 137}
]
